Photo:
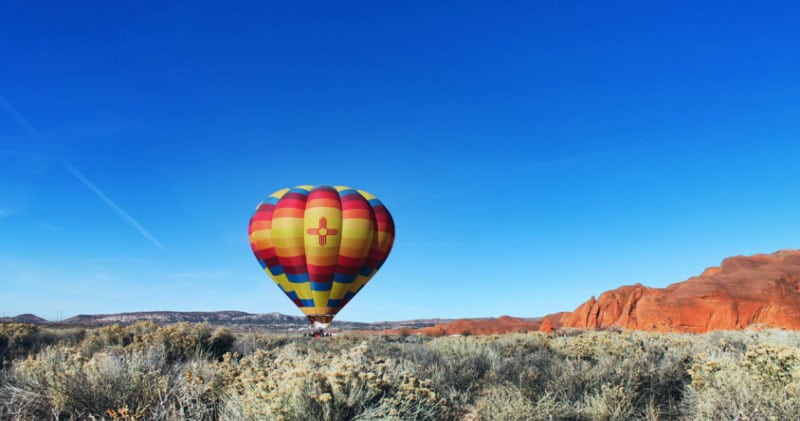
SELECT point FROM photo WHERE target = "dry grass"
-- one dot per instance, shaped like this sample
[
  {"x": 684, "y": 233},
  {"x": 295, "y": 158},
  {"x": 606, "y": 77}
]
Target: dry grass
[{"x": 195, "y": 372}]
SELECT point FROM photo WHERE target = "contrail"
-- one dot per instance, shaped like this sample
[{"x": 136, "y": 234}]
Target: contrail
[
  {"x": 74, "y": 171},
  {"x": 122, "y": 214},
  {"x": 23, "y": 123}
]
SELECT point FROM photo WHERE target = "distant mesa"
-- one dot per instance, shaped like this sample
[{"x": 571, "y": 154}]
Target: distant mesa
[
  {"x": 165, "y": 317},
  {"x": 232, "y": 319}
]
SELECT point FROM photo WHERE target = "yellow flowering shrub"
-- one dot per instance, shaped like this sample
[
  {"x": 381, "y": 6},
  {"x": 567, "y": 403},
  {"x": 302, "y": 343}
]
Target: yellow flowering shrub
[{"x": 298, "y": 384}]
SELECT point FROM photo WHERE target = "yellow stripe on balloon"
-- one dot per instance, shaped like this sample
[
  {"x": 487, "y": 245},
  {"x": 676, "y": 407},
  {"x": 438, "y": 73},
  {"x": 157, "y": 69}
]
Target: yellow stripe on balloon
[
  {"x": 303, "y": 290},
  {"x": 366, "y": 195},
  {"x": 317, "y": 311},
  {"x": 322, "y": 227},
  {"x": 339, "y": 290},
  {"x": 278, "y": 194}
]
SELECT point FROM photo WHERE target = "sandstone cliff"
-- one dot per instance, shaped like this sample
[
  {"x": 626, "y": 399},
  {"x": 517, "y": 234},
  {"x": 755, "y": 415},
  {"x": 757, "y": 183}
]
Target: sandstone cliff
[{"x": 761, "y": 290}]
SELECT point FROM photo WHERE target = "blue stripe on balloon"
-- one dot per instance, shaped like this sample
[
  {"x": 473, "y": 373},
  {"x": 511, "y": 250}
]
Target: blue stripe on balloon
[
  {"x": 293, "y": 296},
  {"x": 344, "y": 279},
  {"x": 321, "y": 286},
  {"x": 275, "y": 270},
  {"x": 298, "y": 191},
  {"x": 271, "y": 200},
  {"x": 297, "y": 279},
  {"x": 338, "y": 303}
]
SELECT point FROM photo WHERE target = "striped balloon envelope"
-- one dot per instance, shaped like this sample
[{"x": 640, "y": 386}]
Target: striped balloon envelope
[{"x": 321, "y": 245}]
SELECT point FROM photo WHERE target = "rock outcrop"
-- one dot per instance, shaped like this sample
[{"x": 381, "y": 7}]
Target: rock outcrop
[
  {"x": 760, "y": 290},
  {"x": 502, "y": 324}
]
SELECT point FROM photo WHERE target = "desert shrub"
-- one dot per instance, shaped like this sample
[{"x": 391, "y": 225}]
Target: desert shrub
[
  {"x": 248, "y": 342},
  {"x": 18, "y": 340},
  {"x": 220, "y": 342},
  {"x": 762, "y": 383},
  {"x": 296, "y": 384},
  {"x": 198, "y": 392},
  {"x": 504, "y": 403},
  {"x": 193, "y": 371},
  {"x": 522, "y": 360},
  {"x": 341, "y": 342},
  {"x": 112, "y": 336},
  {"x": 611, "y": 402},
  {"x": 131, "y": 383},
  {"x": 646, "y": 367},
  {"x": 461, "y": 363},
  {"x": 58, "y": 382},
  {"x": 457, "y": 368},
  {"x": 181, "y": 341}
]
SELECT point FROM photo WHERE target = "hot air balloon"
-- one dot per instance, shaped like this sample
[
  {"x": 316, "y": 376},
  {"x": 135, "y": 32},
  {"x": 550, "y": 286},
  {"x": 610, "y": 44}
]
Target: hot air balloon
[{"x": 321, "y": 245}]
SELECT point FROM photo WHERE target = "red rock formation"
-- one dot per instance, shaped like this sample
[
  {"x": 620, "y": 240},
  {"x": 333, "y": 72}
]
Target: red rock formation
[
  {"x": 502, "y": 324},
  {"x": 547, "y": 326},
  {"x": 759, "y": 290},
  {"x": 743, "y": 291}
]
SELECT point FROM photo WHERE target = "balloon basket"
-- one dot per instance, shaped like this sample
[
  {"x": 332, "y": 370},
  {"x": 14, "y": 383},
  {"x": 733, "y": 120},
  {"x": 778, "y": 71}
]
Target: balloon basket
[
  {"x": 320, "y": 325},
  {"x": 320, "y": 321}
]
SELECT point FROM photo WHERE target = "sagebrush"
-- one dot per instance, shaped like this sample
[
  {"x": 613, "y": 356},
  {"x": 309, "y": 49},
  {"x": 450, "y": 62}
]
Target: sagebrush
[{"x": 197, "y": 372}]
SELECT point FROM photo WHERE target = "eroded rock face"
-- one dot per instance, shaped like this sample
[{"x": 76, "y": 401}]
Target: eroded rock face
[
  {"x": 547, "y": 325},
  {"x": 744, "y": 291},
  {"x": 762, "y": 289}
]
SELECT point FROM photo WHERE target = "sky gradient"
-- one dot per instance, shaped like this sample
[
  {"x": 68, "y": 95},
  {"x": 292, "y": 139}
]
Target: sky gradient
[{"x": 532, "y": 154}]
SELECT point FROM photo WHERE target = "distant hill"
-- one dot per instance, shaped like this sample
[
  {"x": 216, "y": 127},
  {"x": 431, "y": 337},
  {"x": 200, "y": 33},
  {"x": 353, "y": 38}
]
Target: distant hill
[
  {"x": 166, "y": 317},
  {"x": 23, "y": 318},
  {"x": 237, "y": 319}
]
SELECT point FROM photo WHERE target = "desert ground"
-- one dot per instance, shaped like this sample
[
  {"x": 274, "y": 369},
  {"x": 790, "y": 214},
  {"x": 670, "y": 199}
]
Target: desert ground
[{"x": 187, "y": 371}]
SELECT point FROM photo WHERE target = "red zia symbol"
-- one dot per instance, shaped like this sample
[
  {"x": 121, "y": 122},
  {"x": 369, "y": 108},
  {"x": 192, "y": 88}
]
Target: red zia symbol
[{"x": 323, "y": 231}]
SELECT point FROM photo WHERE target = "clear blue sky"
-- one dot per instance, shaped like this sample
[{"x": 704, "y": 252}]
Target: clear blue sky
[{"x": 532, "y": 153}]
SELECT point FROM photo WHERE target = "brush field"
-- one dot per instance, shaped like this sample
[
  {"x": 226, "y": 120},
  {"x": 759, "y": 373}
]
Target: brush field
[{"x": 196, "y": 372}]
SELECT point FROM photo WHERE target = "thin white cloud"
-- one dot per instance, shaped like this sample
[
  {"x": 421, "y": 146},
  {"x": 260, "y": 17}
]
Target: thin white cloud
[
  {"x": 122, "y": 214},
  {"x": 22, "y": 122},
  {"x": 74, "y": 171},
  {"x": 47, "y": 226}
]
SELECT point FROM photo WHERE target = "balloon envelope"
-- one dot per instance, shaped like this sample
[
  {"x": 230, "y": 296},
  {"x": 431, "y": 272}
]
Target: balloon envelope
[{"x": 321, "y": 245}]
